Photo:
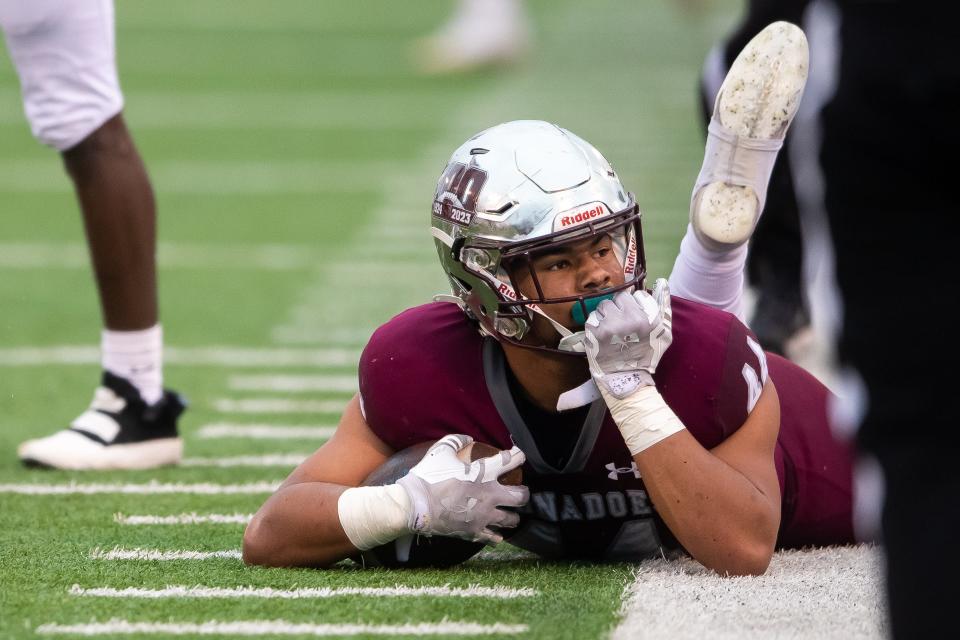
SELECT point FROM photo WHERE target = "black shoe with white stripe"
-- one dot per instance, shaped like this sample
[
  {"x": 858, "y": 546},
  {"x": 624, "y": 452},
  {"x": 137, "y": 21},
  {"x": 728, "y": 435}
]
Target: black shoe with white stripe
[{"x": 118, "y": 431}]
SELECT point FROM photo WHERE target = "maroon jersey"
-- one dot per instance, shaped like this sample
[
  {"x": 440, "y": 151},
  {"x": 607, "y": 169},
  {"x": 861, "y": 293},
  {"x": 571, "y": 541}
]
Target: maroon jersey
[{"x": 428, "y": 372}]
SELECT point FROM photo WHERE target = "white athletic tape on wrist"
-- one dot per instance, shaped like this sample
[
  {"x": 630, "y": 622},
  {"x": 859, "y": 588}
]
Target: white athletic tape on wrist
[
  {"x": 643, "y": 417},
  {"x": 372, "y": 516}
]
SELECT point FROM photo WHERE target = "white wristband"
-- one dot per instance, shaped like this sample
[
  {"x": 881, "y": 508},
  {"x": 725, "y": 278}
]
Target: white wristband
[
  {"x": 643, "y": 417},
  {"x": 372, "y": 516}
]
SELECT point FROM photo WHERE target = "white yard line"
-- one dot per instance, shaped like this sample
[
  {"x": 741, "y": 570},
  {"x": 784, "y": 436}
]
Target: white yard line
[
  {"x": 198, "y": 591},
  {"x": 190, "y": 356},
  {"x": 119, "y": 553},
  {"x": 367, "y": 267},
  {"x": 282, "y": 627},
  {"x": 387, "y": 110},
  {"x": 266, "y": 460},
  {"x": 277, "y": 405},
  {"x": 74, "y": 255},
  {"x": 149, "y": 488},
  {"x": 222, "y": 430},
  {"x": 183, "y": 518},
  {"x": 192, "y": 177},
  {"x": 331, "y": 383}
]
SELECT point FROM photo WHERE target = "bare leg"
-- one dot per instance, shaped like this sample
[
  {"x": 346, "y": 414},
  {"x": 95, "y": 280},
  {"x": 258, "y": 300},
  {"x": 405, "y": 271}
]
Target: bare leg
[
  {"x": 119, "y": 215},
  {"x": 131, "y": 423}
]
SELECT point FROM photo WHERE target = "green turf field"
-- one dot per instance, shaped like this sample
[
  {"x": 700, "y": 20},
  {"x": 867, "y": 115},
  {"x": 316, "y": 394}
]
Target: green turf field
[{"x": 294, "y": 152}]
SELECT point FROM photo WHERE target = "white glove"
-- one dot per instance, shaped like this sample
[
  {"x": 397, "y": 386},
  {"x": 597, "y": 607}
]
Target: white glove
[
  {"x": 450, "y": 497},
  {"x": 626, "y": 337}
]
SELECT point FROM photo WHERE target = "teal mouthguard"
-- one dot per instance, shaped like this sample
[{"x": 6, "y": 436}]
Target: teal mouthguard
[{"x": 591, "y": 304}]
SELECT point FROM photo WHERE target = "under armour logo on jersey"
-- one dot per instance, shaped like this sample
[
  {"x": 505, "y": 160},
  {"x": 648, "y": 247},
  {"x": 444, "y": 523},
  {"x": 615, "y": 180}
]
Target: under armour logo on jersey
[{"x": 615, "y": 471}]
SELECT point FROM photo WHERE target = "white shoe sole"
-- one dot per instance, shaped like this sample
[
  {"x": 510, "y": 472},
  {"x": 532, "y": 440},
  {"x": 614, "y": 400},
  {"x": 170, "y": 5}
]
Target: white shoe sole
[
  {"x": 73, "y": 451},
  {"x": 757, "y": 100}
]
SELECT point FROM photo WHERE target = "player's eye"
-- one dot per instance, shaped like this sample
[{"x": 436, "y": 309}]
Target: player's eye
[{"x": 557, "y": 265}]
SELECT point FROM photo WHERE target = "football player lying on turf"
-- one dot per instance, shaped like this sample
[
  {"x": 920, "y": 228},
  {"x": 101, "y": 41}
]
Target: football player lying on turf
[{"x": 677, "y": 429}]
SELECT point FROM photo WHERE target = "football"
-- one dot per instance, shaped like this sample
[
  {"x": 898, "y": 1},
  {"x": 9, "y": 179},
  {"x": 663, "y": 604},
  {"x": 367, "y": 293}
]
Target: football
[{"x": 426, "y": 551}]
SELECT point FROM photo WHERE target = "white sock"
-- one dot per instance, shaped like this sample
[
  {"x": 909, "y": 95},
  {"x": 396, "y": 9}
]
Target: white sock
[
  {"x": 136, "y": 356},
  {"x": 714, "y": 278}
]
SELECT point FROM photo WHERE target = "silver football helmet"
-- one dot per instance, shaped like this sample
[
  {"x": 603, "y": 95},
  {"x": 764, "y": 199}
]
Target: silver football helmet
[{"x": 516, "y": 191}]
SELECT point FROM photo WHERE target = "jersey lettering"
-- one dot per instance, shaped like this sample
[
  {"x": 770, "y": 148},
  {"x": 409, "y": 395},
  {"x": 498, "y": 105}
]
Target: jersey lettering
[
  {"x": 754, "y": 388},
  {"x": 761, "y": 356},
  {"x": 547, "y": 505}
]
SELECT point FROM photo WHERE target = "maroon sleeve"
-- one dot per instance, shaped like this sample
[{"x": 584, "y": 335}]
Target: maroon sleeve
[
  {"x": 419, "y": 376},
  {"x": 712, "y": 373},
  {"x": 689, "y": 375}
]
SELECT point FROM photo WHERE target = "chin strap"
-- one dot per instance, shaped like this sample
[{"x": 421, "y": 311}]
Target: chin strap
[
  {"x": 585, "y": 394},
  {"x": 570, "y": 341}
]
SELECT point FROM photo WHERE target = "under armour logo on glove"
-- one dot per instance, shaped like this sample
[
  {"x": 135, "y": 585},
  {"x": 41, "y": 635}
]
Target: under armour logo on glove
[
  {"x": 626, "y": 337},
  {"x": 454, "y": 507},
  {"x": 625, "y": 340},
  {"x": 454, "y": 498}
]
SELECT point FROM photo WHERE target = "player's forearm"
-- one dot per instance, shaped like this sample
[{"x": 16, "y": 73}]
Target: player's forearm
[
  {"x": 298, "y": 526},
  {"x": 722, "y": 519}
]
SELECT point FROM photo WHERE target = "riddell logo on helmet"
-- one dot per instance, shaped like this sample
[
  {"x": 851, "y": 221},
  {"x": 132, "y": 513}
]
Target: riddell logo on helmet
[
  {"x": 572, "y": 218},
  {"x": 508, "y": 292},
  {"x": 630, "y": 266}
]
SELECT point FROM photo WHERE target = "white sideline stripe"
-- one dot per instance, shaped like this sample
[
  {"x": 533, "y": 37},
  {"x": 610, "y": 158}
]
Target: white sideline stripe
[
  {"x": 398, "y": 591},
  {"x": 330, "y": 383},
  {"x": 210, "y": 356},
  {"x": 829, "y": 592},
  {"x": 266, "y": 460},
  {"x": 150, "y": 488},
  {"x": 282, "y": 627},
  {"x": 119, "y": 553},
  {"x": 265, "y": 432},
  {"x": 278, "y": 405},
  {"x": 184, "y": 518}
]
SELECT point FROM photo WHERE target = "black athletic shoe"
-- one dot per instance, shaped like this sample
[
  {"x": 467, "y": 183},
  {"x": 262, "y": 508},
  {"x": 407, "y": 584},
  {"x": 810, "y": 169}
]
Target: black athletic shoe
[{"x": 118, "y": 431}]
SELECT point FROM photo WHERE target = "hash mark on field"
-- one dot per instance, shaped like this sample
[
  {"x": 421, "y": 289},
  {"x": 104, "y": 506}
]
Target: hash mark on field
[
  {"x": 331, "y": 383},
  {"x": 281, "y": 627},
  {"x": 267, "y": 460},
  {"x": 119, "y": 553},
  {"x": 152, "y": 487},
  {"x": 278, "y": 405},
  {"x": 398, "y": 591},
  {"x": 221, "y": 430},
  {"x": 184, "y": 518}
]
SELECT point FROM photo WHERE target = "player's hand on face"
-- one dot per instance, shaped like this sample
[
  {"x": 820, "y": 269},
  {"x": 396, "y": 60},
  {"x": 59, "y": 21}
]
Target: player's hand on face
[
  {"x": 625, "y": 338},
  {"x": 455, "y": 498}
]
